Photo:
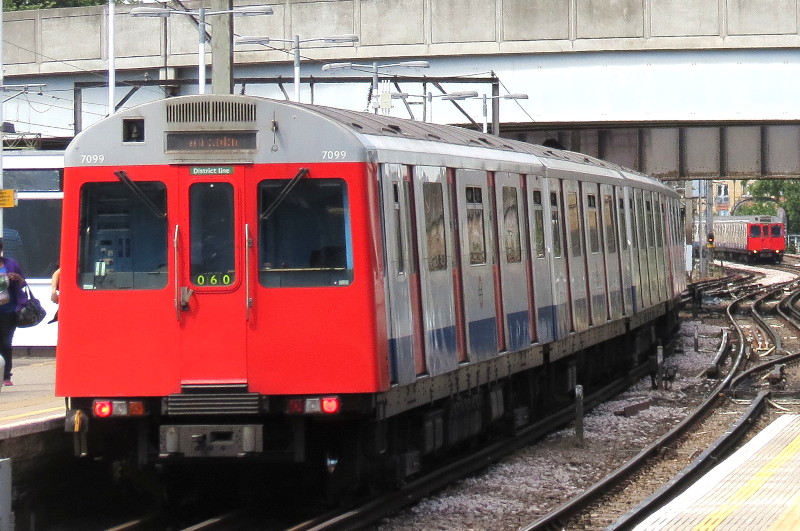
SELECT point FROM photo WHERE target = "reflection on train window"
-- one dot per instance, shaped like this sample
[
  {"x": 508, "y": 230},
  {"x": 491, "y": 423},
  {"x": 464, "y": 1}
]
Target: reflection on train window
[
  {"x": 211, "y": 235},
  {"x": 123, "y": 236},
  {"x": 538, "y": 224},
  {"x": 32, "y": 235},
  {"x": 475, "y": 226},
  {"x": 33, "y": 180},
  {"x": 433, "y": 198},
  {"x": 573, "y": 218},
  {"x": 641, "y": 233},
  {"x": 755, "y": 231},
  {"x": 555, "y": 222},
  {"x": 776, "y": 231},
  {"x": 511, "y": 225},
  {"x": 398, "y": 229},
  {"x": 608, "y": 223},
  {"x": 304, "y": 233},
  {"x": 594, "y": 228},
  {"x": 623, "y": 225},
  {"x": 659, "y": 226}
]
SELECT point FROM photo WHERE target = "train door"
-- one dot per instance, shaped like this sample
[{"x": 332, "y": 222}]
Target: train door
[
  {"x": 655, "y": 272},
  {"x": 401, "y": 276},
  {"x": 641, "y": 256},
  {"x": 626, "y": 270},
  {"x": 595, "y": 262},
  {"x": 515, "y": 311},
  {"x": 611, "y": 251},
  {"x": 211, "y": 287},
  {"x": 560, "y": 272},
  {"x": 433, "y": 219},
  {"x": 541, "y": 260},
  {"x": 477, "y": 267},
  {"x": 581, "y": 316}
]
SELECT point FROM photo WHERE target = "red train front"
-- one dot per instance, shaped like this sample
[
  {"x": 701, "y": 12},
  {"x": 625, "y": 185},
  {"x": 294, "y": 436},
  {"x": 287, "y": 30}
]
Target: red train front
[
  {"x": 750, "y": 238},
  {"x": 200, "y": 272}
]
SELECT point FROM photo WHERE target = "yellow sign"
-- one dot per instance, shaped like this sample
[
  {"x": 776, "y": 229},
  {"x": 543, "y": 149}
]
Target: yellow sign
[{"x": 8, "y": 198}]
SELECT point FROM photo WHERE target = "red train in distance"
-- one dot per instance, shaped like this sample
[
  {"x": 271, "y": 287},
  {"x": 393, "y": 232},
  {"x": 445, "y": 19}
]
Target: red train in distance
[{"x": 750, "y": 238}]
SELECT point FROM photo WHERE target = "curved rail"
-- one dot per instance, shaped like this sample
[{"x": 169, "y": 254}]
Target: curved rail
[{"x": 705, "y": 461}]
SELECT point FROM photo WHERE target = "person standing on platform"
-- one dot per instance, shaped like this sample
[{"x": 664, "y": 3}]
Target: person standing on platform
[{"x": 12, "y": 297}]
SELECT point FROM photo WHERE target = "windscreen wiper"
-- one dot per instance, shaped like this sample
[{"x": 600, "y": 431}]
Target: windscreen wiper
[
  {"x": 267, "y": 212},
  {"x": 139, "y": 194}
]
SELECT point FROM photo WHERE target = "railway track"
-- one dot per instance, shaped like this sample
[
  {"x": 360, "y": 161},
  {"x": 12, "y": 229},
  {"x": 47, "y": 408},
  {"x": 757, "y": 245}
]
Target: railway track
[
  {"x": 595, "y": 507},
  {"x": 657, "y": 474},
  {"x": 685, "y": 450}
]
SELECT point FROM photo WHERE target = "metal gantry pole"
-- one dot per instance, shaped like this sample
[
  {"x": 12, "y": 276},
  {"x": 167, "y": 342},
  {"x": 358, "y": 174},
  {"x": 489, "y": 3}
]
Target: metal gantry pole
[
  {"x": 375, "y": 87},
  {"x": 297, "y": 68},
  {"x": 201, "y": 51}
]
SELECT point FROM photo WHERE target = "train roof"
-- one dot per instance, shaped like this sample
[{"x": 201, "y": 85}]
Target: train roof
[
  {"x": 748, "y": 219},
  {"x": 354, "y": 132}
]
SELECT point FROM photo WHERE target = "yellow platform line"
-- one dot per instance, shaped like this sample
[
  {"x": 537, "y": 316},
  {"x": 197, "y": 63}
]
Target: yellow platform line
[
  {"x": 712, "y": 520},
  {"x": 789, "y": 519},
  {"x": 32, "y": 413}
]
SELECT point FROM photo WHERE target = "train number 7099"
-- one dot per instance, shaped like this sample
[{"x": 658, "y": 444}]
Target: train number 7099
[
  {"x": 92, "y": 159},
  {"x": 334, "y": 155}
]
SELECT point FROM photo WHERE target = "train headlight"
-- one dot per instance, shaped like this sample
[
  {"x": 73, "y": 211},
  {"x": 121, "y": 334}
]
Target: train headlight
[{"x": 313, "y": 405}]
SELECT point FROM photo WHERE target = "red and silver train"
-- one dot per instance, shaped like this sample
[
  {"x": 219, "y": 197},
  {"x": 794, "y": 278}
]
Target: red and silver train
[
  {"x": 750, "y": 238},
  {"x": 266, "y": 281}
]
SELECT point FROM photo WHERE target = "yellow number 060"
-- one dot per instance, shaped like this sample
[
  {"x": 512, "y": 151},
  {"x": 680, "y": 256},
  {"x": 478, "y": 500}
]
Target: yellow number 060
[{"x": 213, "y": 279}]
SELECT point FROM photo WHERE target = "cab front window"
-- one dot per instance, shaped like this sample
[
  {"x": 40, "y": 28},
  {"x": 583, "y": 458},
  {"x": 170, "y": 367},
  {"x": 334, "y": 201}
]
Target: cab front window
[{"x": 304, "y": 233}]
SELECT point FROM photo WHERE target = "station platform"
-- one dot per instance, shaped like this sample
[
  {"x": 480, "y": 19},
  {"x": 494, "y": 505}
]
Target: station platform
[
  {"x": 30, "y": 405},
  {"x": 756, "y": 488}
]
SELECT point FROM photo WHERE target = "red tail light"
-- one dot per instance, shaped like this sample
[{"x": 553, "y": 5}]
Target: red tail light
[
  {"x": 330, "y": 404},
  {"x": 102, "y": 408}
]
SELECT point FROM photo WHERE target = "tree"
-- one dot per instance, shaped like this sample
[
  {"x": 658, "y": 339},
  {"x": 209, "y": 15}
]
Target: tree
[
  {"x": 21, "y": 5},
  {"x": 786, "y": 191}
]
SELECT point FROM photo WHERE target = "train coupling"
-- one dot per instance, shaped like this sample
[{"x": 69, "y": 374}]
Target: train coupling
[
  {"x": 205, "y": 440},
  {"x": 76, "y": 421}
]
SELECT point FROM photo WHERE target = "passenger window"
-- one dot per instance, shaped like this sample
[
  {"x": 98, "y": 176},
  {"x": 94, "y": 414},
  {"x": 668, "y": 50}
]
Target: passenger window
[
  {"x": 304, "y": 236},
  {"x": 555, "y": 223},
  {"x": 398, "y": 229},
  {"x": 574, "y": 223},
  {"x": 475, "y": 225},
  {"x": 776, "y": 231},
  {"x": 433, "y": 197},
  {"x": 511, "y": 225},
  {"x": 608, "y": 223},
  {"x": 642, "y": 234},
  {"x": 649, "y": 223},
  {"x": 594, "y": 229},
  {"x": 659, "y": 225},
  {"x": 623, "y": 225},
  {"x": 123, "y": 236},
  {"x": 538, "y": 224}
]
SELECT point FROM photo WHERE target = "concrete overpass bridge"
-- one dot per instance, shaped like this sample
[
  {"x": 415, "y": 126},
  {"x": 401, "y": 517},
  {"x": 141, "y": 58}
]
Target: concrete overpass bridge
[{"x": 680, "y": 89}]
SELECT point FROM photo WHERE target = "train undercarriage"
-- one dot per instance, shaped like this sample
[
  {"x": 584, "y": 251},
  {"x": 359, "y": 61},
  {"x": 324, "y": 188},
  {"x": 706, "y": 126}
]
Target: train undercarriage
[{"x": 375, "y": 439}]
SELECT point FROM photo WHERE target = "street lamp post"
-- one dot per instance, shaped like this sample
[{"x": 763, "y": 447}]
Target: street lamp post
[
  {"x": 295, "y": 42},
  {"x": 201, "y": 15},
  {"x": 503, "y": 97},
  {"x": 374, "y": 68}
]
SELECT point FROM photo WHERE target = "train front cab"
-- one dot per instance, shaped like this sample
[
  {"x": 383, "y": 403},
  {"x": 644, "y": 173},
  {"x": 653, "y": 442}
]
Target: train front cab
[{"x": 202, "y": 299}]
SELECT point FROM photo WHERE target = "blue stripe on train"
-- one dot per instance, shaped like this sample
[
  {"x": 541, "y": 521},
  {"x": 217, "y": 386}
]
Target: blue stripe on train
[
  {"x": 482, "y": 338},
  {"x": 519, "y": 332}
]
